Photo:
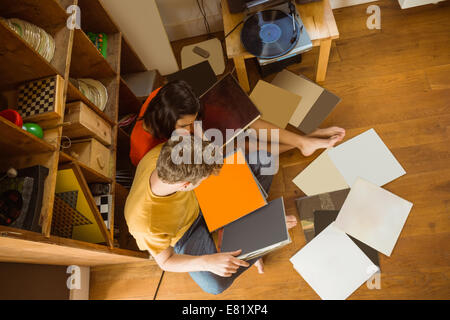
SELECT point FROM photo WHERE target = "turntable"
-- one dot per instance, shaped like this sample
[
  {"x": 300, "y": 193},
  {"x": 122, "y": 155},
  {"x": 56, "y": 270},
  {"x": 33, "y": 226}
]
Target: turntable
[
  {"x": 273, "y": 32},
  {"x": 318, "y": 20}
]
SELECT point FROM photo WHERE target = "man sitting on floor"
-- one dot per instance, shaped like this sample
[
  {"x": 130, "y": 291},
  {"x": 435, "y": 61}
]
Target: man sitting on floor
[{"x": 164, "y": 217}]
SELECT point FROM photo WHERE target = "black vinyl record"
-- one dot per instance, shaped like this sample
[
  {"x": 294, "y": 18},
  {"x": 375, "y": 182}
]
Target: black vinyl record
[{"x": 270, "y": 33}]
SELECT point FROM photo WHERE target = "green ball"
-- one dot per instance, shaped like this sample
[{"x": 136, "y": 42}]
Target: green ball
[{"x": 34, "y": 129}]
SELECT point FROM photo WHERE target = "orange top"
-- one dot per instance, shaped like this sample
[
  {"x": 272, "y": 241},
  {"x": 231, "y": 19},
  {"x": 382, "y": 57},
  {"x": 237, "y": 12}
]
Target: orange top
[
  {"x": 141, "y": 141},
  {"x": 230, "y": 195}
]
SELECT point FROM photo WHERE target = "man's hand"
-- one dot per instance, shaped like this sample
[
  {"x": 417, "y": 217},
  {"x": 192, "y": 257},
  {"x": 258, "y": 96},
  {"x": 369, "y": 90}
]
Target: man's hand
[
  {"x": 291, "y": 221},
  {"x": 224, "y": 264}
]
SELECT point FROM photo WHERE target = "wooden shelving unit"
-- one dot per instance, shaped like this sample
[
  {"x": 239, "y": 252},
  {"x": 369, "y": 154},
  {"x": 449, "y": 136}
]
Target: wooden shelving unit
[
  {"x": 128, "y": 101},
  {"x": 16, "y": 141},
  {"x": 75, "y": 57},
  {"x": 91, "y": 175}
]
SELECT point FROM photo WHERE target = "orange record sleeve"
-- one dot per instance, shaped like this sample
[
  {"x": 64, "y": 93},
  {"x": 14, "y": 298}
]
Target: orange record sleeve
[{"x": 230, "y": 195}]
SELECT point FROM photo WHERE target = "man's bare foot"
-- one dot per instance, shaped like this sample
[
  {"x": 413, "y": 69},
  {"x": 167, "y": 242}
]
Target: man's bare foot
[
  {"x": 327, "y": 132},
  {"x": 259, "y": 265},
  {"x": 310, "y": 144}
]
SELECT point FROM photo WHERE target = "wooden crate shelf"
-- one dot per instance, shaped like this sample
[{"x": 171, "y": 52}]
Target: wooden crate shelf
[
  {"x": 128, "y": 102},
  {"x": 75, "y": 57},
  {"x": 47, "y": 14},
  {"x": 130, "y": 62},
  {"x": 30, "y": 159},
  {"x": 96, "y": 18},
  {"x": 91, "y": 175},
  {"x": 87, "y": 61},
  {"x": 60, "y": 251},
  {"x": 126, "y": 240},
  {"x": 123, "y": 139},
  {"x": 20, "y": 62},
  {"x": 25, "y": 63},
  {"x": 73, "y": 94},
  {"x": 15, "y": 141}
]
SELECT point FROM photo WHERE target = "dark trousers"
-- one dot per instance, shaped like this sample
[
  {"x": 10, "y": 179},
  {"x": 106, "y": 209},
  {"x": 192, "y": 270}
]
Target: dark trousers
[{"x": 197, "y": 241}]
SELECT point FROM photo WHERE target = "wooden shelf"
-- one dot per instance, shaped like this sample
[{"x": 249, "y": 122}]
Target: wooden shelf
[
  {"x": 128, "y": 102},
  {"x": 95, "y": 18},
  {"x": 130, "y": 62},
  {"x": 73, "y": 94},
  {"x": 87, "y": 61},
  {"x": 24, "y": 63},
  {"x": 75, "y": 57},
  {"x": 91, "y": 175},
  {"x": 123, "y": 141},
  {"x": 126, "y": 240},
  {"x": 20, "y": 62},
  {"x": 122, "y": 135},
  {"x": 47, "y": 14},
  {"x": 15, "y": 141},
  {"x": 60, "y": 251}
]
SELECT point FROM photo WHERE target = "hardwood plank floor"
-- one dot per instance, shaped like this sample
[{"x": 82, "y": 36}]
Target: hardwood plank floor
[
  {"x": 397, "y": 81},
  {"x": 137, "y": 281}
]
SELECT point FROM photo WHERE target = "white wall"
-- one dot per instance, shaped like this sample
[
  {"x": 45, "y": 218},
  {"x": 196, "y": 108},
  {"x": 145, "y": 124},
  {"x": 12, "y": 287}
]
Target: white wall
[
  {"x": 182, "y": 18},
  {"x": 141, "y": 23}
]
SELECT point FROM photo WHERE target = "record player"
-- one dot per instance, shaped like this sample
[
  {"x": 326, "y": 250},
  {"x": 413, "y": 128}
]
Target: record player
[
  {"x": 274, "y": 32},
  {"x": 236, "y": 6}
]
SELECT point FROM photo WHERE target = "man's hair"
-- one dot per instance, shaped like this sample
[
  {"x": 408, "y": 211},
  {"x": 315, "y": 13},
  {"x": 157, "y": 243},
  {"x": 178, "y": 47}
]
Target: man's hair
[
  {"x": 173, "y": 101},
  {"x": 171, "y": 172}
]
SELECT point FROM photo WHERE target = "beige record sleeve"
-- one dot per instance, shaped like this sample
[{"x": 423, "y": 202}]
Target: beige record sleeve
[
  {"x": 309, "y": 91},
  {"x": 276, "y": 105},
  {"x": 321, "y": 176}
]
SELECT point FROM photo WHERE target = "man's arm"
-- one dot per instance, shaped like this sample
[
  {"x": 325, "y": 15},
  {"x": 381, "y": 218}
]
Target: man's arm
[{"x": 223, "y": 264}]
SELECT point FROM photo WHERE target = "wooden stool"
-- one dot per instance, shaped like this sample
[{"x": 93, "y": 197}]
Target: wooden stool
[{"x": 319, "y": 22}]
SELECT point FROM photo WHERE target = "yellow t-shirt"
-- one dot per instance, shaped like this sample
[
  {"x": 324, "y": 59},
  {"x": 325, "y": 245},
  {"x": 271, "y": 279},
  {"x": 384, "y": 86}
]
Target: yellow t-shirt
[{"x": 157, "y": 222}]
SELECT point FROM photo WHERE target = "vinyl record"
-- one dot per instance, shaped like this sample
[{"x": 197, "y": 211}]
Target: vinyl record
[{"x": 270, "y": 34}]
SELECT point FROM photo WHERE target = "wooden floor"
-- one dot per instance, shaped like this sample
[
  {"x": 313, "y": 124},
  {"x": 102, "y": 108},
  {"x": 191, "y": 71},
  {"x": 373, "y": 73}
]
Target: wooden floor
[{"x": 396, "y": 80}]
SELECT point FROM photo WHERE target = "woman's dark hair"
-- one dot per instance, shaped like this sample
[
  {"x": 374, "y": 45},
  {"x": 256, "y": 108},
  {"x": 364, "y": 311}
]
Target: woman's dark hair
[{"x": 173, "y": 101}]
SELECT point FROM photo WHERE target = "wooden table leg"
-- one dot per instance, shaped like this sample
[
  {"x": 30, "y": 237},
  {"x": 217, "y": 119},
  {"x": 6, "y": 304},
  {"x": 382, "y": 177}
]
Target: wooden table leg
[
  {"x": 322, "y": 63},
  {"x": 241, "y": 71}
]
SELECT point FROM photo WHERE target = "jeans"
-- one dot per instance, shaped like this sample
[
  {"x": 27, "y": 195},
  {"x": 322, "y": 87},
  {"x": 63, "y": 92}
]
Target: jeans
[{"x": 197, "y": 241}]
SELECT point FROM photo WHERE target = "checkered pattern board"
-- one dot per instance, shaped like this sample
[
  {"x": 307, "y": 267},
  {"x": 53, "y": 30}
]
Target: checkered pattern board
[
  {"x": 70, "y": 198},
  {"x": 65, "y": 218},
  {"x": 104, "y": 204},
  {"x": 37, "y": 97}
]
